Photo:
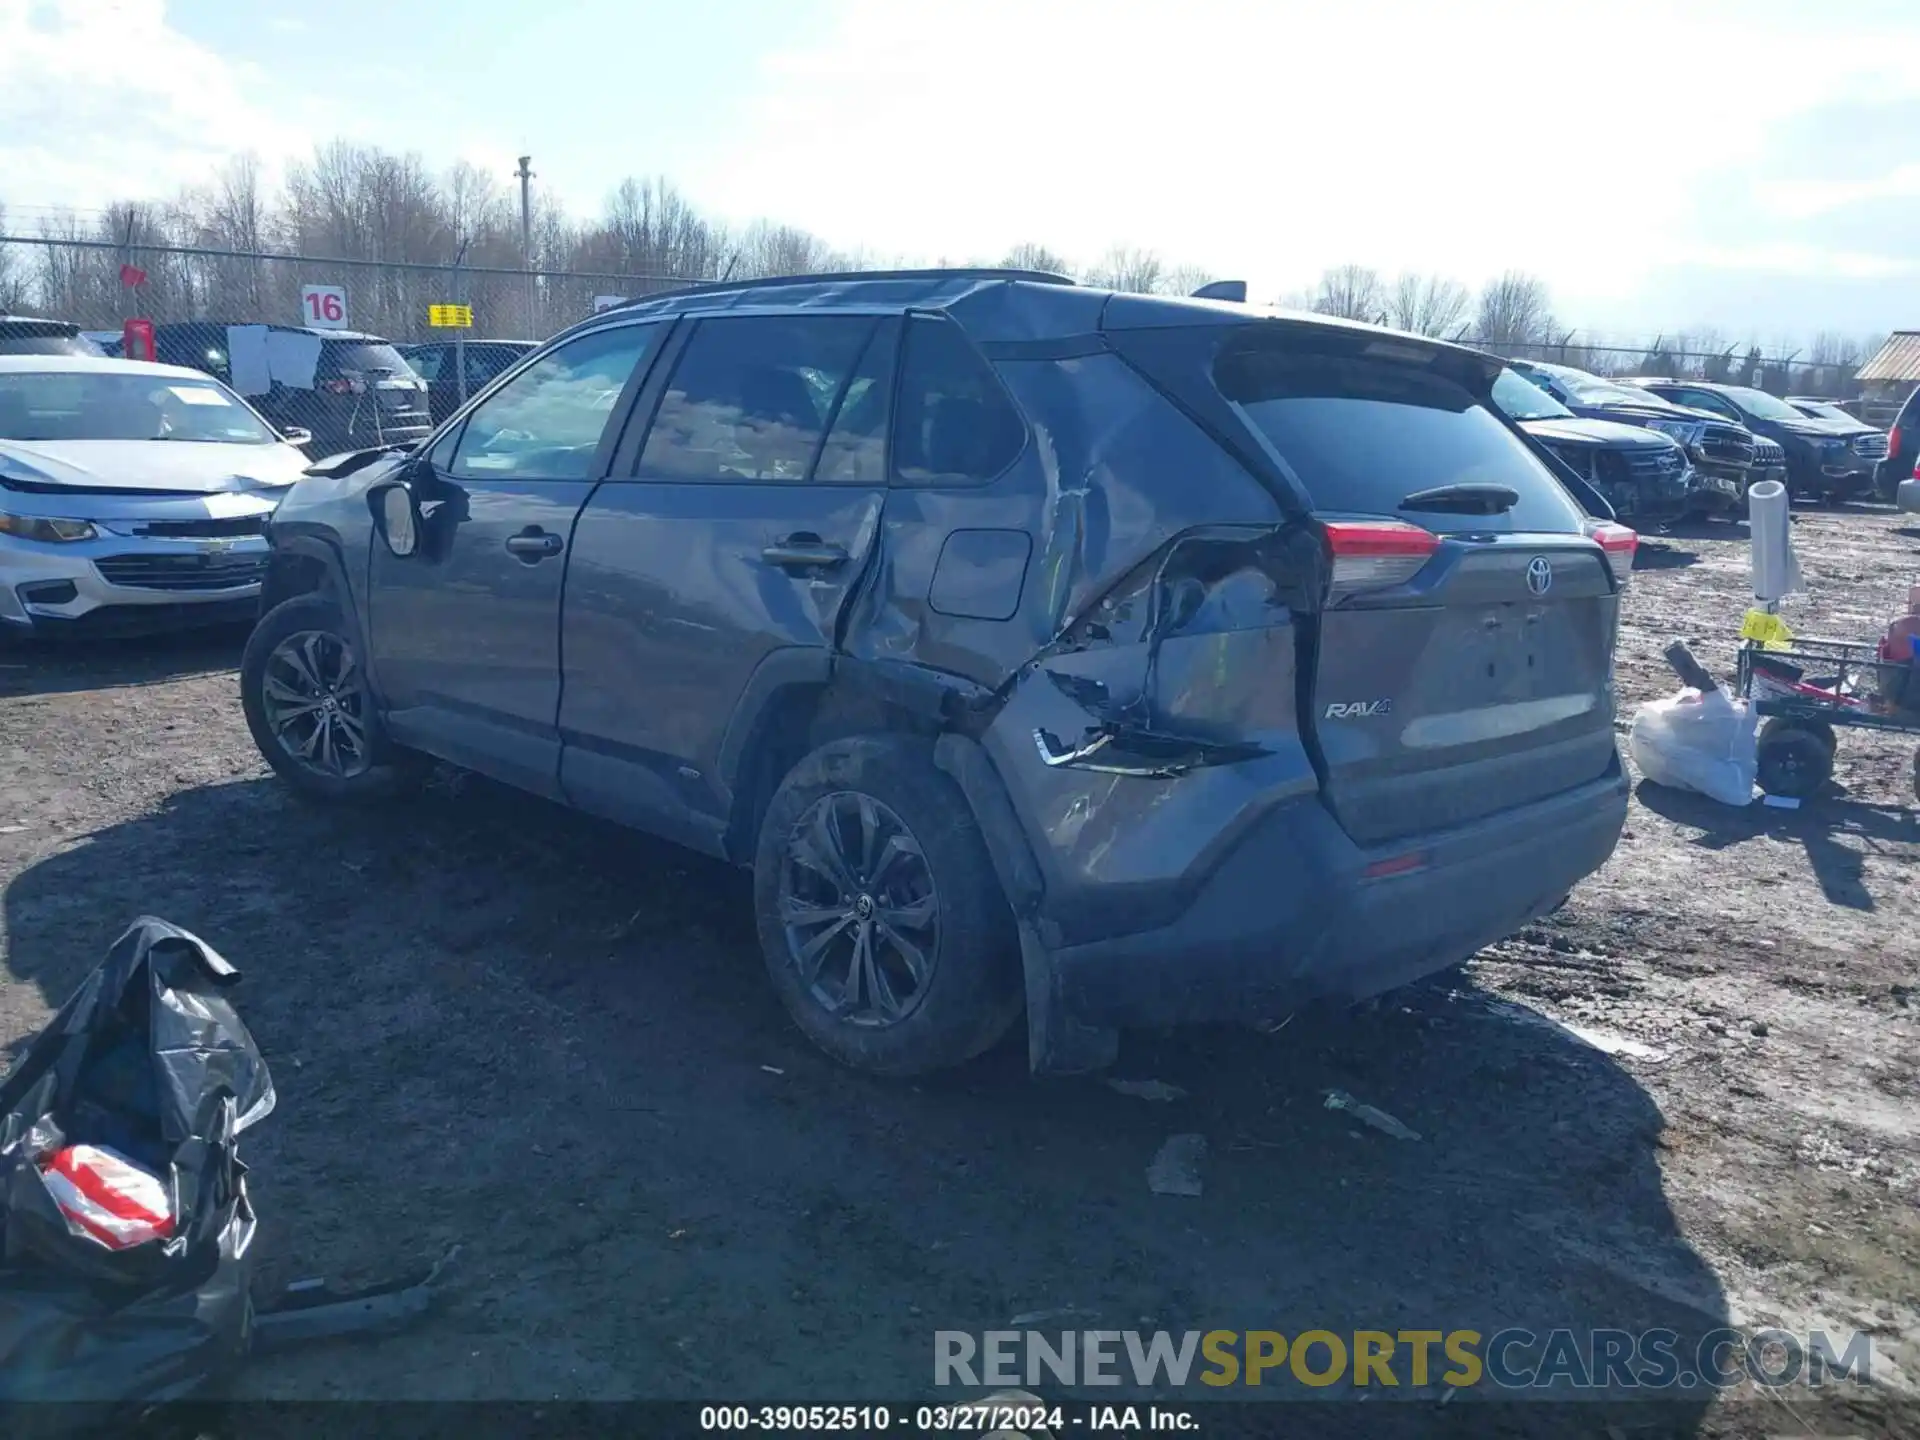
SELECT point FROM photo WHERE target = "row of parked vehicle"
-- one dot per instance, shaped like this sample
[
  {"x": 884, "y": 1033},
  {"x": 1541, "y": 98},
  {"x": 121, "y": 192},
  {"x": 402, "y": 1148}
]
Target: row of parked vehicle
[
  {"x": 348, "y": 390},
  {"x": 1659, "y": 449}
]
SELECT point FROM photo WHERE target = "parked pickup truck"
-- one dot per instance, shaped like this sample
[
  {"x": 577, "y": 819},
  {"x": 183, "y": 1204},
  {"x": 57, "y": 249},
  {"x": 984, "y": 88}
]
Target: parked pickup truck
[
  {"x": 1641, "y": 473},
  {"x": 1722, "y": 454},
  {"x": 1821, "y": 462}
]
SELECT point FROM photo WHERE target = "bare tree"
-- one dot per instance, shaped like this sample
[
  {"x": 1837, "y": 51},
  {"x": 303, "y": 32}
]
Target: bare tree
[
  {"x": 1515, "y": 312},
  {"x": 1429, "y": 305},
  {"x": 1126, "y": 268},
  {"x": 1185, "y": 279},
  {"x": 1352, "y": 292},
  {"x": 15, "y": 286},
  {"x": 1028, "y": 255}
]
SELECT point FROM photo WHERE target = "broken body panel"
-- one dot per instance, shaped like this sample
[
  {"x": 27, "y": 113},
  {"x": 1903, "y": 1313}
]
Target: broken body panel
[{"x": 1218, "y": 776}]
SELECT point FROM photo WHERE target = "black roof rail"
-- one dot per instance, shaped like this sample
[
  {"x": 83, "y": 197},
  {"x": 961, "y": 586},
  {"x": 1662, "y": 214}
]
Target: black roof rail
[{"x": 700, "y": 287}]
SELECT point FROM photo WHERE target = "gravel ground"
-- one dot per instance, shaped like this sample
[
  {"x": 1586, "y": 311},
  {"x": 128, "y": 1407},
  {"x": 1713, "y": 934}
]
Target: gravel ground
[{"x": 498, "y": 1025}]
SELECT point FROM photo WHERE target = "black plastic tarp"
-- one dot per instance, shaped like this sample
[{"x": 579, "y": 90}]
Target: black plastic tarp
[{"x": 149, "y": 1059}]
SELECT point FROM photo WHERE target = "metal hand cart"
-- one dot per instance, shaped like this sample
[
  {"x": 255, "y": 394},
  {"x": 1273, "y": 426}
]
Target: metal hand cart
[{"x": 1810, "y": 689}]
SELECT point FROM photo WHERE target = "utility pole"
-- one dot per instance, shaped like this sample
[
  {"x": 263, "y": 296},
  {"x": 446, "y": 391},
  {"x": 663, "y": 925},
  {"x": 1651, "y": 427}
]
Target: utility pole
[{"x": 525, "y": 175}]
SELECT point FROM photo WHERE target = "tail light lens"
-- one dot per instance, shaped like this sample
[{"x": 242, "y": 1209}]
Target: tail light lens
[
  {"x": 338, "y": 386},
  {"x": 1893, "y": 441},
  {"x": 1619, "y": 544},
  {"x": 1375, "y": 554}
]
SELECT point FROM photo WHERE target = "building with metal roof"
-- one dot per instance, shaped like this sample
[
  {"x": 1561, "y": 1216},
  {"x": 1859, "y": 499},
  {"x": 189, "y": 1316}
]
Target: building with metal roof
[{"x": 1896, "y": 362}]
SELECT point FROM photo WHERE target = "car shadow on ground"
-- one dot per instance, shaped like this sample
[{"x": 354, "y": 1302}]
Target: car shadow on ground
[
  {"x": 1819, "y": 826},
  {"x": 1660, "y": 553},
  {"x": 54, "y": 667},
  {"x": 497, "y": 1024}
]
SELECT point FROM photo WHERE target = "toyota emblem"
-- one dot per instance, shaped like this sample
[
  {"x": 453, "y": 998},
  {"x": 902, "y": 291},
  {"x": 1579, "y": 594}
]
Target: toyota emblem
[{"x": 1539, "y": 575}]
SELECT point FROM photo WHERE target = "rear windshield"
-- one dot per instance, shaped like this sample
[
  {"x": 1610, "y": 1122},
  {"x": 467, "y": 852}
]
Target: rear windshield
[
  {"x": 1363, "y": 434},
  {"x": 359, "y": 357},
  {"x": 25, "y": 340}
]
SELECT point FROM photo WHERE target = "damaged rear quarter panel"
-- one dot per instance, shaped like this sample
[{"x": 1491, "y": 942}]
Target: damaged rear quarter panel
[{"x": 1111, "y": 474}]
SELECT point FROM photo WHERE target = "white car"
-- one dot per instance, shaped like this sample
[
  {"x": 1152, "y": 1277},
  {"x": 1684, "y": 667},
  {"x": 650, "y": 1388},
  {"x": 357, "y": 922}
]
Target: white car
[{"x": 132, "y": 496}]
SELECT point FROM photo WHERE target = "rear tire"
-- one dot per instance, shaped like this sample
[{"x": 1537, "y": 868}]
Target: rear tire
[
  {"x": 869, "y": 857},
  {"x": 311, "y": 710},
  {"x": 1795, "y": 760}
]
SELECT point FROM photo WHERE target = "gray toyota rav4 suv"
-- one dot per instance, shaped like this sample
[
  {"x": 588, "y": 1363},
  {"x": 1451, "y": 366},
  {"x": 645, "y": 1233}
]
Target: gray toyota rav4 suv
[{"x": 1109, "y": 659}]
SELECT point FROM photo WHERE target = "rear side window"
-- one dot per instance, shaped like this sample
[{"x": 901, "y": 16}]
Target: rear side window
[
  {"x": 426, "y": 363},
  {"x": 1362, "y": 434},
  {"x": 956, "y": 425},
  {"x": 751, "y": 397}
]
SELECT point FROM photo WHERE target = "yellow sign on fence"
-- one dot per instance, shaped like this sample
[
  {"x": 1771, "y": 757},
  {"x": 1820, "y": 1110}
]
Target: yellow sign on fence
[
  {"x": 1770, "y": 631},
  {"x": 450, "y": 317}
]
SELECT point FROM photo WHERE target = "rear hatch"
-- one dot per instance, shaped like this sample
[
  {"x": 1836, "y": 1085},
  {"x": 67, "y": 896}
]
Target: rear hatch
[
  {"x": 1462, "y": 658},
  {"x": 375, "y": 369}
]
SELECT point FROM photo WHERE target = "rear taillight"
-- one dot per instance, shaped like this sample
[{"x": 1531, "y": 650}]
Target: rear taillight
[
  {"x": 1619, "y": 544},
  {"x": 1893, "y": 441},
  {"x": 1375, "y": 554},
  {"x": 341, "y": 386}
]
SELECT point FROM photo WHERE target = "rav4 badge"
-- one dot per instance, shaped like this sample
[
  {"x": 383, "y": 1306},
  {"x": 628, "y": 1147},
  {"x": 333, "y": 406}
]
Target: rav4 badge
[{"x": 1358, "y": 709}]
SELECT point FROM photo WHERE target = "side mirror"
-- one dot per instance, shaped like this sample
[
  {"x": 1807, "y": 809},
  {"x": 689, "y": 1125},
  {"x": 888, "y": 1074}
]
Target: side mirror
[
  {"x": 296, "y": 434},
  {"x": 399, "y": 518}
]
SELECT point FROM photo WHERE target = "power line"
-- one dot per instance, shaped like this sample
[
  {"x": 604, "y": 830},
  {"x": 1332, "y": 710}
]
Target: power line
[{"x": 206, "y": 252}]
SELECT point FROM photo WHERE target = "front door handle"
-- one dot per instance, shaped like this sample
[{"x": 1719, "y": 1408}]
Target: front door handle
[
  {"x": 804, "y": 551},
  {"x": 533, "y": 544}
]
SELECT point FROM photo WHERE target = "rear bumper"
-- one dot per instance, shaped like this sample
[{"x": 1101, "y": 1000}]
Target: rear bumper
[{"x": 1291, "y": 916}]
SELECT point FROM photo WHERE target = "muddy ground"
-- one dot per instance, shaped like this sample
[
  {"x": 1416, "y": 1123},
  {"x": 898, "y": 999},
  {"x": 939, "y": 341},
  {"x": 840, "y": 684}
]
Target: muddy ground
[{"x": 500, "y": 1026}]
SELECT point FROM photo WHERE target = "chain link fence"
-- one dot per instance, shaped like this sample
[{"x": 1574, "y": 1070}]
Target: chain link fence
[{"x": 344, "y": 350}]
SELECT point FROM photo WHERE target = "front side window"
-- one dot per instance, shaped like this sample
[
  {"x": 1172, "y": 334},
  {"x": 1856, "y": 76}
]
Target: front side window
[
  {"x": 956, "y": 425},
  {"x": 1708, "y": 401},
  {"x": 546, "y": 423},
  {"x": 83, "y": 405},
  {"x": 750, "y": 398},
  {"x": 1761, "y": 404}
]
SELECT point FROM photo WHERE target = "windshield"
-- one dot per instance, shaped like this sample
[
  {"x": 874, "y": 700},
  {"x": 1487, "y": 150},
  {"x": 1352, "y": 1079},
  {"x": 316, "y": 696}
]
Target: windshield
[
  {"x": 361, "y": 357},
  {"x": 1758, "y": 402},
  {"x": 86, "y": 405},
  {"x": 48, "y": 345},
  {"x": 1592, "y": 390},
  {"x": 1521, "y": 399}
]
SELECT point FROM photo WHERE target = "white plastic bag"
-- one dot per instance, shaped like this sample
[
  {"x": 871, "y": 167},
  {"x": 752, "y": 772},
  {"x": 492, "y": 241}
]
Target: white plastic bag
[{"x": 1697, "y": 742}]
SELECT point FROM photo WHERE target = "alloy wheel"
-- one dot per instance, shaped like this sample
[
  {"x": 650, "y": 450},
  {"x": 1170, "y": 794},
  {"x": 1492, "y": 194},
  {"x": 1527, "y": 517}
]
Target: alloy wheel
[
  {"x": 315, "y": 701},
  {"x": 859, "y": 910}
]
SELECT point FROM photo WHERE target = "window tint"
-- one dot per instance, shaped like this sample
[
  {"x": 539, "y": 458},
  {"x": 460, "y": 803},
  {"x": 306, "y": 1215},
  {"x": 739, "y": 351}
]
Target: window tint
[
  {"x": 426, "y": 363},
  {"x": 1704, "y": 400},
  {"x": 362, "y": 357},
  {"x": 1362, "y": 434},
  {"x": 486, "y": 361},
  {"x": 750, "y": 397},
  {"x": 856, "y": 448},
  {"x": 545, "y": 424},
  {"x": 956, "y": 424}
]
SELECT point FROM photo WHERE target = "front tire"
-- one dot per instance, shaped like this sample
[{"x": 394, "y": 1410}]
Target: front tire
[
  {"x": 884, "y": 928},
  {"x": 304, "y": 689}
]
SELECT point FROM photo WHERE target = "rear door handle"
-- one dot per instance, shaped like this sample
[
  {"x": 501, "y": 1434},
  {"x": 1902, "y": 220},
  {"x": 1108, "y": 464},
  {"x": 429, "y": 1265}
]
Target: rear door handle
[
  {"x": 804, "y": 551},
  {"x": 531, "y": 544}
]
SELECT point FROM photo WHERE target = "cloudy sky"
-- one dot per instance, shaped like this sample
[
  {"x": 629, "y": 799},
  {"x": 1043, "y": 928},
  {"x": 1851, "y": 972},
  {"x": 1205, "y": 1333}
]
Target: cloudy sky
[{"x": 1752, "y": 164}]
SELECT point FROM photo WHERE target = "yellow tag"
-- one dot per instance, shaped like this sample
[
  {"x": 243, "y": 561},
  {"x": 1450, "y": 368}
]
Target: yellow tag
[
  {"x": 450, "y": 317},
  {"x": 1770, "y": 631}
]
